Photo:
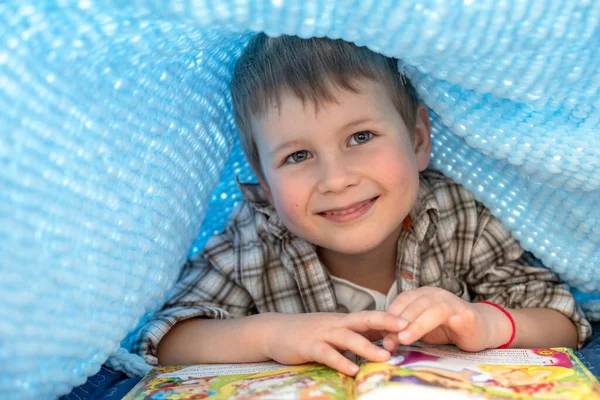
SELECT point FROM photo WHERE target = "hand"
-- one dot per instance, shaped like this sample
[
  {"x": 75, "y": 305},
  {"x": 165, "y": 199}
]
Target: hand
[
  {"x": 320, "y": 337},
  {"x": 436, "y": 316}
]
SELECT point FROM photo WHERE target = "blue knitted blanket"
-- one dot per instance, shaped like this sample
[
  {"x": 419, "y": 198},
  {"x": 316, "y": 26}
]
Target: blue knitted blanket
[{"x": 118, "y": 149}]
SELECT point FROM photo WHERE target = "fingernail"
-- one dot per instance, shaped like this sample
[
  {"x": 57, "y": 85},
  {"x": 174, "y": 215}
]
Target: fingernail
[
  {"x": 404, "y": 336},
  {"x": 354, "y": 369},
  {"x": 381, "y": 353},
  {"x": 401, "y": 323}
]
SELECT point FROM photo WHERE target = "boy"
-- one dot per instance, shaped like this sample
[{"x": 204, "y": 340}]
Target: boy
[{"x": 347, "y": 238}]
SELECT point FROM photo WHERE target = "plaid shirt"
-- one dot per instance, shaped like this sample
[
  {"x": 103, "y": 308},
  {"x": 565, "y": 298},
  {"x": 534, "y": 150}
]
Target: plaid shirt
[{"x": 256, "y": 265}]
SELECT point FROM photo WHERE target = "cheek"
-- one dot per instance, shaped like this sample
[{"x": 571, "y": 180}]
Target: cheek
[
  {"x": 395, "y": 168},
  {"x": 289, "y": 203}
]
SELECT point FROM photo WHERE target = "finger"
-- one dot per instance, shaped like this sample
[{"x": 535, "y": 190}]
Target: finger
[
  {"x": 403, "y": 300},
  {"x": 417, "y": 307},
  {"x": 440, "y": 335},
  {"x": 427, "y": 321},
  {"x": 346, "y": 339},
  {"x": 374, "y": 335},
  {"x": 390, "y": 341},
  {"x": 364, "y": 321},
  {"x": 325, "y": 354}
]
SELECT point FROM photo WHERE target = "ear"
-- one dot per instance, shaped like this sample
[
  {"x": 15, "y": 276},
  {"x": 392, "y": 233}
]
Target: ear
[
  {"x": 265, "y": 187},
  {"x": 263, "y": 184},
  {"x": 422, "y": 138}
]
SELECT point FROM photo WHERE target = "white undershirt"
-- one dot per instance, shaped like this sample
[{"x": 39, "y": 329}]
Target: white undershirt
[{"x": 352, "y": 297}]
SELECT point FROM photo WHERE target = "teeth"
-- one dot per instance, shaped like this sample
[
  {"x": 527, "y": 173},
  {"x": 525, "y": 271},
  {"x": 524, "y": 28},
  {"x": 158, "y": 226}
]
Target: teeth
[{"x": 348, "y": 211}]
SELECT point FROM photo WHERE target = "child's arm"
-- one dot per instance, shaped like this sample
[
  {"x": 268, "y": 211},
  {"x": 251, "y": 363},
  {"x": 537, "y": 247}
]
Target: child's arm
[
  {"x": 286, "y": 338},
  {"x": 543, "y": 327},
  {"x": 208, "y": 318}
]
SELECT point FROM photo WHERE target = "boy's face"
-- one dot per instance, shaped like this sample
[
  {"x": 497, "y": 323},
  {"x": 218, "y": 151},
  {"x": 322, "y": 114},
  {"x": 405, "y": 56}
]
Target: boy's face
[{"x": 345, "y": 177}]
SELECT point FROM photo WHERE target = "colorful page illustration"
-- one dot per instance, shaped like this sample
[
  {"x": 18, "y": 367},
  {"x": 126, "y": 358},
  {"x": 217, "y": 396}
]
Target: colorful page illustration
[
  {"x": 267, "y": 380},
  {"x": 418, "y": 371},
  {"x": 448, "y": 373}
]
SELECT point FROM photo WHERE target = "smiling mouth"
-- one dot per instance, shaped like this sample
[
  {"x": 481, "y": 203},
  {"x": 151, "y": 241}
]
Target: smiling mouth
[{"x": 349, "y": 213}]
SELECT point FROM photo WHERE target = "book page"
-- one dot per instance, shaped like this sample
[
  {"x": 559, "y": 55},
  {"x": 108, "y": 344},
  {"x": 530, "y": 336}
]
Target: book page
[
  {"x": 449, "y": 373},
  {"x": 224, "y": 369},
  {"x": 268, "y": 380}
]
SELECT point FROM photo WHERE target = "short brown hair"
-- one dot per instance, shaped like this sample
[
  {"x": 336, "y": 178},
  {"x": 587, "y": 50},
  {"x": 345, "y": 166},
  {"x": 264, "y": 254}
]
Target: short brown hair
[{"x": 308, "y": 68}]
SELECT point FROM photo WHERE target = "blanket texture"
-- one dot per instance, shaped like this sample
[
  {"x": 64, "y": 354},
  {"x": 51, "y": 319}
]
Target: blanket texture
[{"x": 117, "y": 136}]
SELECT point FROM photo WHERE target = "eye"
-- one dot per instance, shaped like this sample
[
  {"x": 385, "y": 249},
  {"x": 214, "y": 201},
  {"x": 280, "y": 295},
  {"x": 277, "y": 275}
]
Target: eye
[
  {"x": 361, "y": 137},
  {"x": 297, "y": 157}
]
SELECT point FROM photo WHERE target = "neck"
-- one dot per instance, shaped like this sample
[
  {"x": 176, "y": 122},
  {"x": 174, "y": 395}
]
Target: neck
[{"x": 374, "y": 269}]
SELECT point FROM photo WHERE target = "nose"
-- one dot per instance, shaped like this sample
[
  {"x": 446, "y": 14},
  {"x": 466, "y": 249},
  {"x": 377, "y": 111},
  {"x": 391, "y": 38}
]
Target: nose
[{"x": 335, "y": 175}]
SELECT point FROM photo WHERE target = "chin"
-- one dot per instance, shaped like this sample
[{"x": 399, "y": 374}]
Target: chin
[{"x": 351, "y": 248}]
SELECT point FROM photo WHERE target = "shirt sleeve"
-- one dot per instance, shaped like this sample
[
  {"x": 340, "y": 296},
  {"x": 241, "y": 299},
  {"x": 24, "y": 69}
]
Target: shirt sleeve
[
  {"x": 206, "y": 288},
  {"x": 502, "y": 272}
]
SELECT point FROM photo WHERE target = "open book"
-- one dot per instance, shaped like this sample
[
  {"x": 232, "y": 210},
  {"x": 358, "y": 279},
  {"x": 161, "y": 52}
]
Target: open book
[{"x": 431, "y": 372}]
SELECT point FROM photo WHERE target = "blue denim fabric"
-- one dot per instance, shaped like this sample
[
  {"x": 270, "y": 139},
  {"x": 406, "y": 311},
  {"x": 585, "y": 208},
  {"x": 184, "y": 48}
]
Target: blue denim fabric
[
  {"x": 106, "y": 384},
  {"x": 590, "y": 354}
]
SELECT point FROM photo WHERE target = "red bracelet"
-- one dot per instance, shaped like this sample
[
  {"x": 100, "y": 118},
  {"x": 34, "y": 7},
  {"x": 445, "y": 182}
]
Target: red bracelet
[{"x": 512, "y": 323}]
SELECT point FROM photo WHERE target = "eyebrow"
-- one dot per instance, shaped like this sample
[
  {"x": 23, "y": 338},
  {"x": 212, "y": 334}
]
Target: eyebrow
[
  {"x": 282, "y": 146},
  {"x": 356, "y": 122},
  {"x": 294, "y": 143}
]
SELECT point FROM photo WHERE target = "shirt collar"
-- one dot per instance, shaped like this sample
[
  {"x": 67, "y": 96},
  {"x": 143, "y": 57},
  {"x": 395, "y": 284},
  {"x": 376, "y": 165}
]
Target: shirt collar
[
  {"x": 423, "y": 216},
  {"x": 256, "y": 197}
]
